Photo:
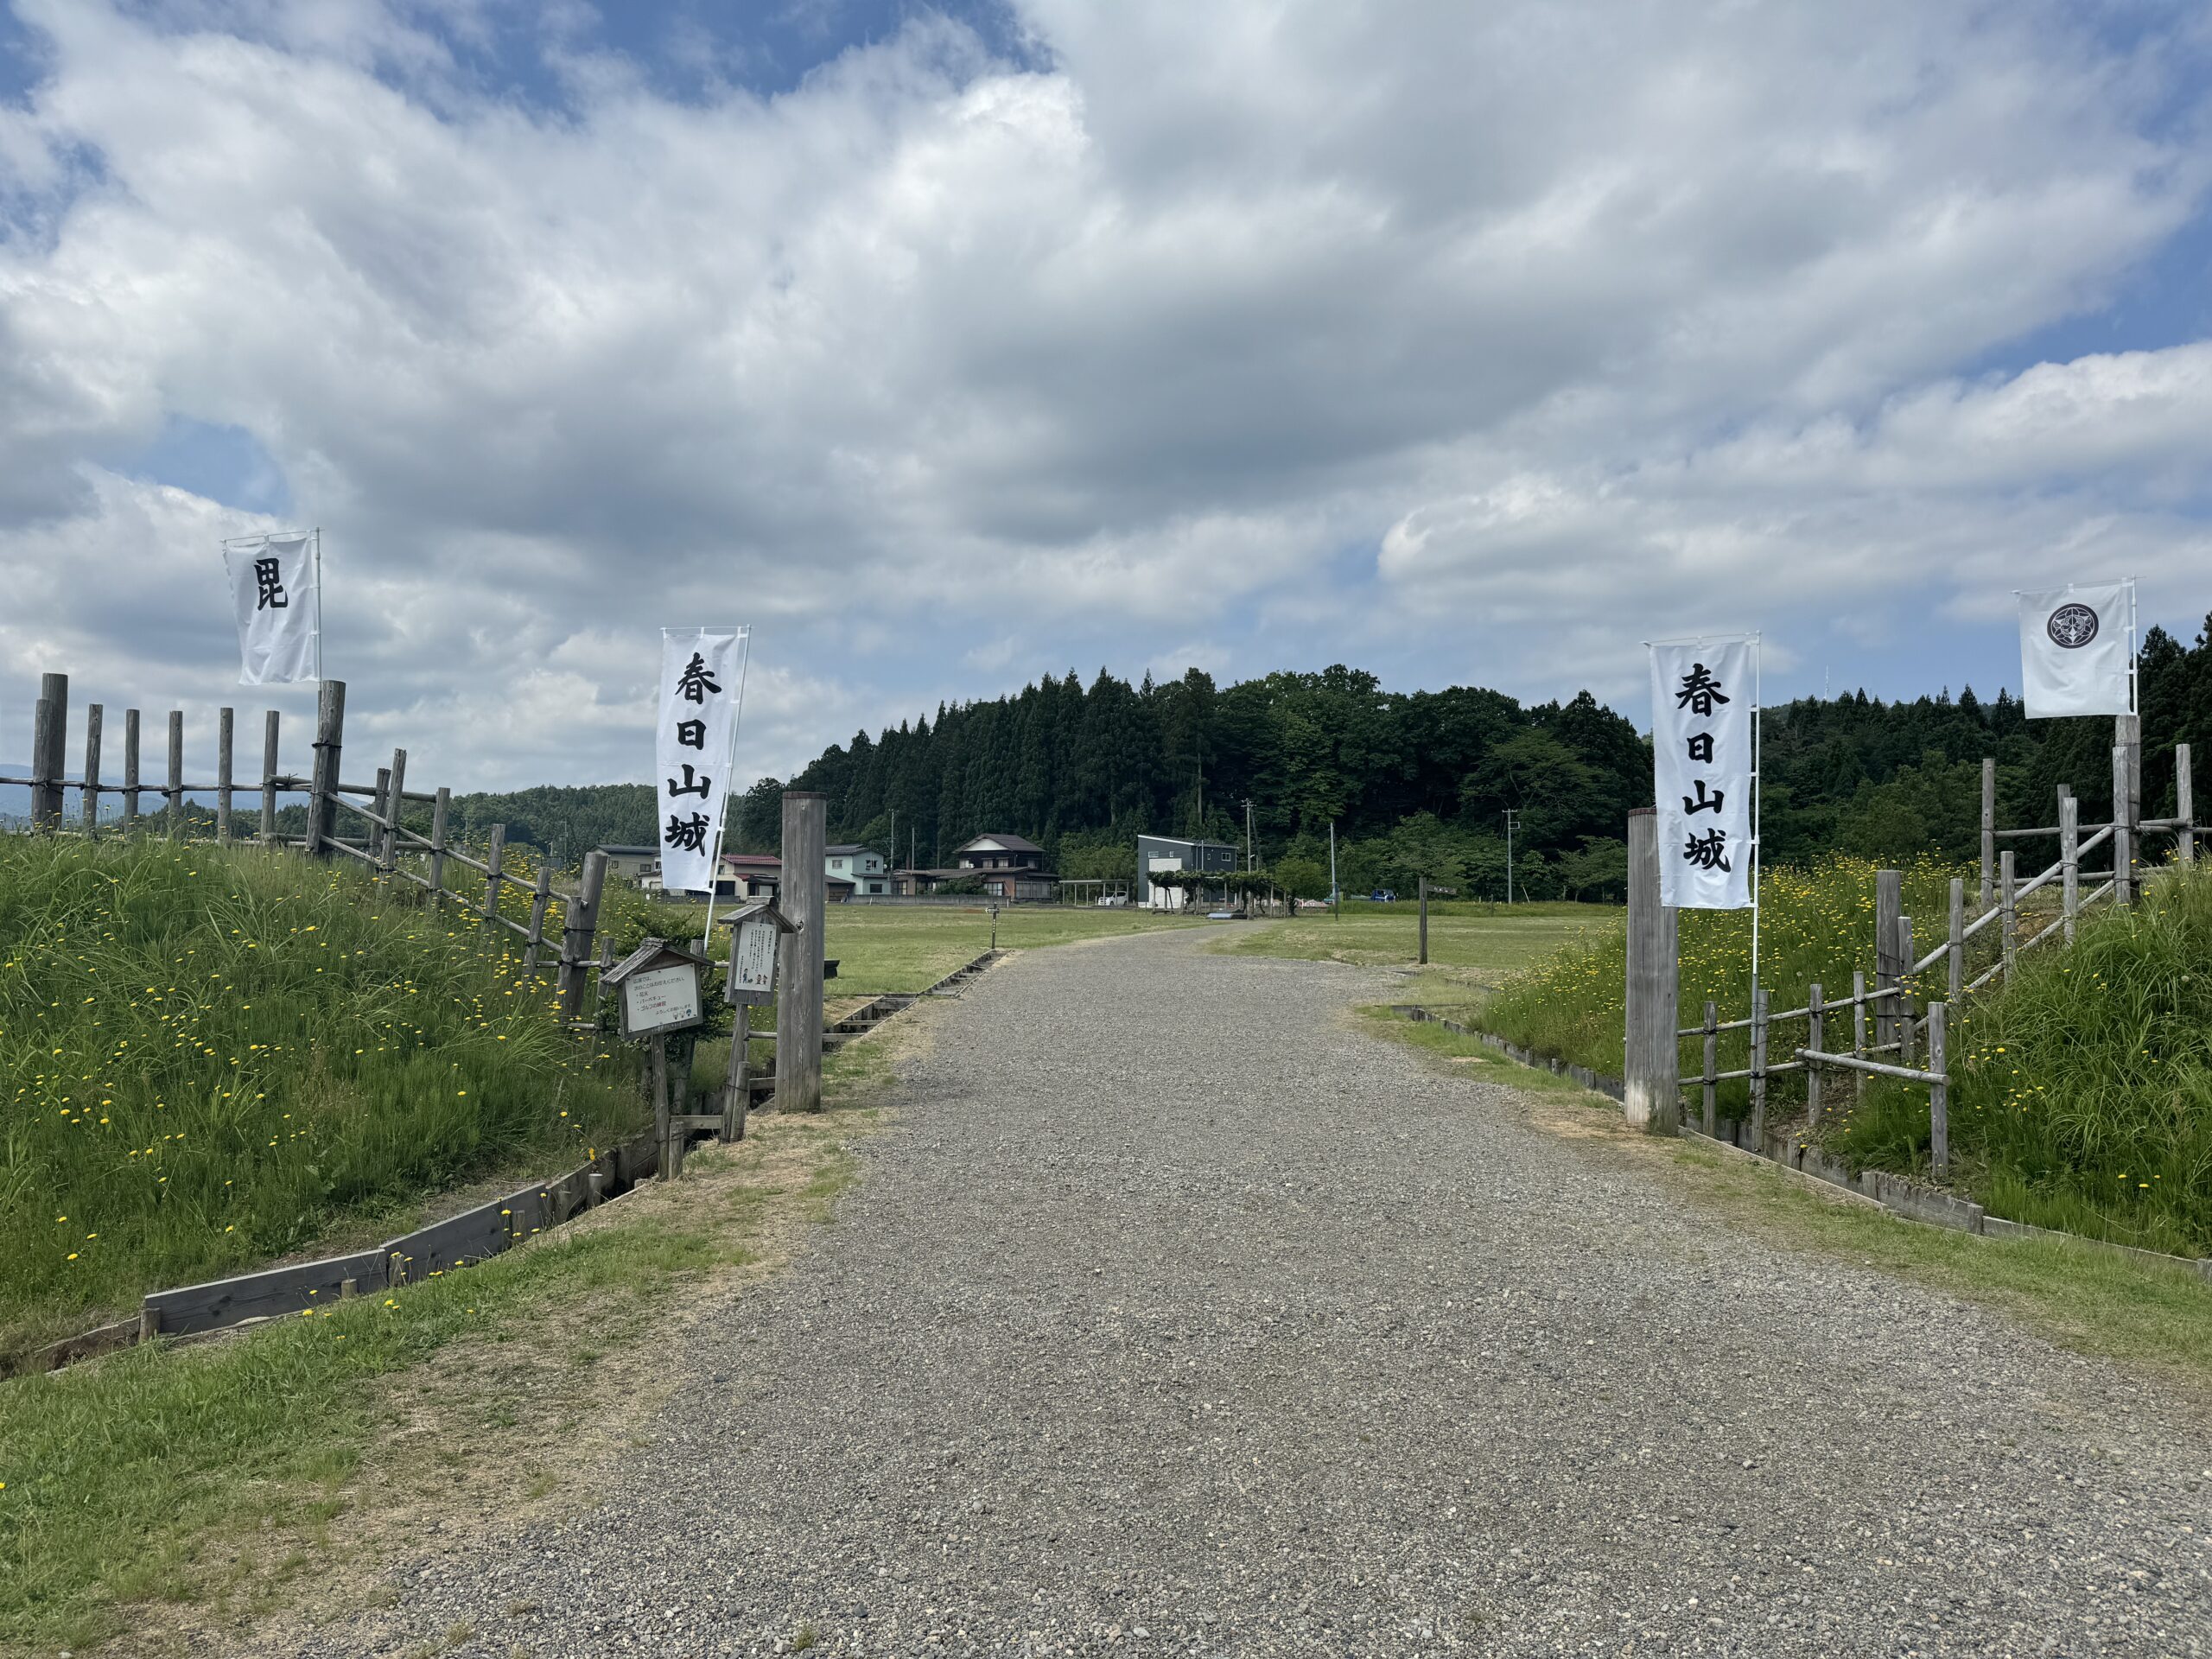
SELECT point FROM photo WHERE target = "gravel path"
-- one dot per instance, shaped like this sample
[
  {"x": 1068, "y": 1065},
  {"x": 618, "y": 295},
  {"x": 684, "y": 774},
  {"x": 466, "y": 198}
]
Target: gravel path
[{"x": 1173, "y": 1317}]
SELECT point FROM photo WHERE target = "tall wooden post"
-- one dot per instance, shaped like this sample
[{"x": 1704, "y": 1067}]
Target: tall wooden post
[
  {"x": 1988, "y": 826},
  {"x": 1939, "y": 1093},
  {"x": 540, "y": 897},
  {"x": 798, "y": 968},
  {"x": 1905, "y": 993},
  {"x": 225, "y": 719},
  {"x": 492, "y": 860},
  {"x": 1758, "y": 1068},
  {"x": 50, "y": 733},
  {"x": 439, "y": 815},
  {"x": 175, "y": 792},
  {"x": 2008, "y": 915},
  {"x": 1651, "y": 1096},
  {"x": 2069, "y": 869},
  {"x": 1422, "y": 882},
  {"x": 737, "y": 1086},
  {"x": 2127, "y": 733},
  {"x": 580, "y": 922},
  {"x": 1957, "y": 955},
  {"x": 395, "y": 808},
  {"x": 372, "y": 834},
  {"x": 2185, "y": 805},
  {"x": 1857, "y": 1033},
  {"x": 1889, "y": 905},
  {"x": 329, "y": 748},
  {"x": 1817, "y": 1032},
  {"x": 268, "y": 779},
  {"x": 92, "y": 713},
  {"x": 2123, "y": 830},
  {"x": 130, "y": 770},
  {"x": 1712, "y": 1065}
]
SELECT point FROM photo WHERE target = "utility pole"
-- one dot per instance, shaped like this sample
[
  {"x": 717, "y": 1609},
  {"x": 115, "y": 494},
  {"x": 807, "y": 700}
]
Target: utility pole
[
  {"x": 1249, "y": 864},
  {"x": 1509, "y": 855},
  {"x": 1335, "y": 899}
]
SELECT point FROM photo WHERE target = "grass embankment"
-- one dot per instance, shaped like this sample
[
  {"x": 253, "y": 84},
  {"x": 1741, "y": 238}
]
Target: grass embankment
[
  {"x": 2081, "y": 1090},
  {"x": 1472, "y": 948},
  {"x": 218, "y": 1056},
  {"x": 2094, "y": 1301}
]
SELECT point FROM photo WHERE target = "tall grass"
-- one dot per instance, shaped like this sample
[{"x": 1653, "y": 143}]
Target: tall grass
[
  {"x": 214, "y": 1057},
  {"x": 2081, "y": 1090}
]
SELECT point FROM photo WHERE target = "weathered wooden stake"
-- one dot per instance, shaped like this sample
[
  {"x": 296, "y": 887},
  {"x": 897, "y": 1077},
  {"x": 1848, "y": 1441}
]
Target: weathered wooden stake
[
  {"x": 539, "y": 899},
  {"x": 1905, "y": 992},
  {"x": 225, "y": 722},
  {"x": 1651, "y": 1094},
  {"x": 798, "y": 968},
  {"x": 493, "y": 861},
  {"x": 175, "y": 792},
  {"x": 129, "y": 770},
  {"x": 1758, "y": 1068},
  {"x": 1815, "y": 1028},
  {"x": 1711, "y": 1064},
  {"x": 2123, "y": 835},
  {"x": 2069, "y": 873},
  {"x": 1857, "y": 1033},
  {"x": 1421, "y": 881},
  {"x": 395, "y": 808},
  {"x": 737, "y": 1082},
  {"x": 372, "y": 837},
  {"x": 269, "y": 724},
  {"x": 580, "y": 922},
  {"x": 2185, "y": 805},
  {"x": 1889, "y": 905},
  {"x": 93, "y": 715},
  {"x": 1939, "y": 1093},
  {"x": 49, "y": 735},
  {"x": 329, "y": 750},
  {"x": 1957, "y": 958},
  {"x": 1988, "y": 826},
  {"x": 439, "y": 813},
  {"x": 657, "y": 1052}
]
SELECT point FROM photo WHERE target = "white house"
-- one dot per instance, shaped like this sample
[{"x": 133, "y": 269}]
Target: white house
[{"x": 866, "y": 869}]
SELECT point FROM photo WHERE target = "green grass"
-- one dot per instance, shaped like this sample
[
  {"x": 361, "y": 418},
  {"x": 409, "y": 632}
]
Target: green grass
[
  {"x": 216, "y": 1057},
  {"x": 2094, "y": 1301},
  {"x": 1471, "y": 947}
]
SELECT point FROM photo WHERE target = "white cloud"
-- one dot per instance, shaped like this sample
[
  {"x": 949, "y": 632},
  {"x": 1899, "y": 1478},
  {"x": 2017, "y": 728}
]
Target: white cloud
[{"x": 1580, "y": 323}]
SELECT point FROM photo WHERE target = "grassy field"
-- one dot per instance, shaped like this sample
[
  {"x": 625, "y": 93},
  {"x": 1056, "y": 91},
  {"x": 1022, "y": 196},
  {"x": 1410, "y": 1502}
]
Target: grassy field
[
  {"x": 218, "y": 1056},
  {"x": 1472, "y": 948}
]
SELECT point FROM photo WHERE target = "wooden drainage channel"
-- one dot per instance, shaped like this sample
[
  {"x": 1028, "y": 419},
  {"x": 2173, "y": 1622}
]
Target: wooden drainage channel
[{"x": 487, "y": 1230}]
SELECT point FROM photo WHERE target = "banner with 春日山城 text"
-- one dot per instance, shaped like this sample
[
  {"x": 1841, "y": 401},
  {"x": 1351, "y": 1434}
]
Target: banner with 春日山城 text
[{"x": 1702, "y": 698}]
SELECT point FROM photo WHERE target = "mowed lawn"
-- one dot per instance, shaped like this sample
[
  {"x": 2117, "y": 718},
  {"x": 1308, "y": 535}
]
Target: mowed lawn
[{"x": 1471, "y": 947}]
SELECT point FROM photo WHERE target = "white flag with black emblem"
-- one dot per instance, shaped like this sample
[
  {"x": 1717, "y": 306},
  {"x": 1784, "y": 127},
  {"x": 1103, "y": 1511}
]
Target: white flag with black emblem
[
  {"x": 2075, "y": 643},
  {"x": 1702, "y": 697},
  {"x": 701, "y": 673},
  {"x": 273, "y": 589}
]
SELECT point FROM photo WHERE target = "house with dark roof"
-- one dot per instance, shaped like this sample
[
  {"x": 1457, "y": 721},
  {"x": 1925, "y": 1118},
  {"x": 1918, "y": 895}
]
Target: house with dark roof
[{"x": 867, "y": 870}]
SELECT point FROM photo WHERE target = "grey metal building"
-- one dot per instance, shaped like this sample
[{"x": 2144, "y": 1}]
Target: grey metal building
[{"x": 1179, "y": 855}]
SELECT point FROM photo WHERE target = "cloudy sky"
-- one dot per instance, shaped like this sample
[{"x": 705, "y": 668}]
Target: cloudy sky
[{"x": 947, "y": 345}]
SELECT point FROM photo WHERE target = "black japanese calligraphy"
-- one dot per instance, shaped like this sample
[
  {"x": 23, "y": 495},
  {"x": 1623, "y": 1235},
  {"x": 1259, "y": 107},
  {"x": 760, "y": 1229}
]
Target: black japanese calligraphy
[
  {"x": 1708, "y": 851},
  {"x": 1699, "y": 690},
  {"x": 1704, "y": 803},
  {"x": 687, "y": 835},
  {"x": 1701, "y": 746},
  {"x": 691, "y": 733},
  {"x": 695, "y": 683},
  {"x": 694, "y": 783},
  {"x": 268, "y": 586}
]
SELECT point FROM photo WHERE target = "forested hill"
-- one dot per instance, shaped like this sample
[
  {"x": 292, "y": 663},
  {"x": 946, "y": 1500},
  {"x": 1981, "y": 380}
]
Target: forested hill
[{"x": 1417, "y": 783}]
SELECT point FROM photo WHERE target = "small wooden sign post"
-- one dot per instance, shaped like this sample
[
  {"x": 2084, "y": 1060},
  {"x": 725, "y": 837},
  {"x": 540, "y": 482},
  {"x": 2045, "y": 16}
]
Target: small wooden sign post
[
  {"x": 757, "y": 930},
  {"x": 659, "y": 985}
]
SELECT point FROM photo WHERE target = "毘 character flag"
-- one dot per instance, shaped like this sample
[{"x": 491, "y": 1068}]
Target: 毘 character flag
[
  {"x": 1702, "y": 698},
  {"x": 276, "y": 590},
  {"x": 699, "y": 677},
  {"x": 2076, "y": 647}
]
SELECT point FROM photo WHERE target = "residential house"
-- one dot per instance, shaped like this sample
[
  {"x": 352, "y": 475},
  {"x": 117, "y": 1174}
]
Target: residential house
[
  {"x": 630, "y": 863},
  {"x": 865, "y": 869}
]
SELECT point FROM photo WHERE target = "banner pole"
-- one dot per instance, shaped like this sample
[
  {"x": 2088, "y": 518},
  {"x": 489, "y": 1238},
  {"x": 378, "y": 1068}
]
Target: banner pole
[
  {"x": 1758, "y": 688},
  {"x": 722, "y": 807},
  {"x": 318, "y": 606}
]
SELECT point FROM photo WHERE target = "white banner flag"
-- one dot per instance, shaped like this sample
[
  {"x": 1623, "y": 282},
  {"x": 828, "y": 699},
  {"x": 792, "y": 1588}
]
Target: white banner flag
[
  {"x": 698, "y": 712},
  {"x": 2074, "y": 645},
  {"x": 279, "y": 612},
  {"x": 1702, "y": 699}
]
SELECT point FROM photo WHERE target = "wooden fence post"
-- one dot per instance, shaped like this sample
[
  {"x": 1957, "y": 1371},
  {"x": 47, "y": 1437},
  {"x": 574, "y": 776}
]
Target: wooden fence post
[
  {"x": 2008, "y": 915},
  {"x": 439, "y": 814},
  {"x": 329, "y": 750},
  {"x": 1758, "y": 1068},
  {"x": 1988, "y": 826},
  {"x": 1957, "y": 961},
  {"x": 226, "y": 721},
  {"x": 130, "y": 770},
  {"x": 1857, "y": 1033},
  {"x": 2123, "y": 832},
  {"x": 93, "y": 716},
  {"x": 2069, "y": 870},
  {"x": 49, "y": 736},
  {"x": 1650, "y": 1095},
  {"x": 1711, "y": 1064},
  {"x": 578, "y": 924},
  {"x": 493, "y": 858},
  {"x": 1889, "y": 905},
  {"x": 2127, "y": 733},
  {"x": 175, "y": 792},
  {"x": 1939, "y": 1093},
  {"x": 1905, "y": 992},
  {"x": 1816, "y": 1031},
  {"x": 737, "y": 1085},
  {"x": 372, "y": 833},
  {"x": 1421, "y": 882},
  {"x": 2184, "y": 805},
  {"x": 395, "y": 808},
  {"x": 269, "y": 725},
  {"x": 542, "y": 896},
  {"x": 798, "y": 1004}
]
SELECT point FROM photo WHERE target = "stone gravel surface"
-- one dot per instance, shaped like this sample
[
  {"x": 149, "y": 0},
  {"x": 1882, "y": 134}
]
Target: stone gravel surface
[{"x": 1174, "y": 1316}]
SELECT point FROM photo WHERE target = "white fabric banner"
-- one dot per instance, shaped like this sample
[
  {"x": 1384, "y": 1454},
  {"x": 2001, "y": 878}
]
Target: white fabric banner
[
  {"x": 1701, "y": 698},
  {"x": 698, "y": 712},
  {"x": 2074, "y": 650},
  {"x": 272, "y": 590}
]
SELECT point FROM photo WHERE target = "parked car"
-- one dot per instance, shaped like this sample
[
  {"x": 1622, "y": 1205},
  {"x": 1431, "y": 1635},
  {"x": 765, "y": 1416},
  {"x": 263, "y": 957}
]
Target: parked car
[{"x": 1383, "y": 896}]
